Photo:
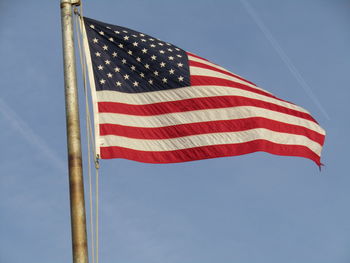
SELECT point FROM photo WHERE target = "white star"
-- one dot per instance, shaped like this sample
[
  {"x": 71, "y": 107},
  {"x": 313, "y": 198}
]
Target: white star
[
  {"x": 98, "y": 54},
  {"x": 132, "y": 67},
  {"x": 177, "y": 49},
  {"x": 180, "y": 65},
  {"x": 117, "y": 32},
  {"x": 107, "y": 62},
  {"x": 171, "y": 71},
  {"x": 126, "y": 76},
  {"x": 134, "y": 35},
  {"x": 92, "y": 26},
  {"x": 135, "y": 44},
  {"x": 144, "y": 51},
  {"x": 160, "y": 44},
  {"x": 118, "y": 83},
  {"x": 95, "y": 40},
  {"x": 126, "y": 38},
  {"x": 161, "y": 51},
  {"x": 164, "y": 80},
  {"x": 111, "y": 39},
  {"x": 135, "y": 84},
  {"x": 123, "y": 60},
  {"x": 162, "y": 64},
  {"x": 143, "y": 40},
  {"x": 150, "y": 81},
  {"x": 152, "y": 45},
  {"x": 138, "y": 59},
  {"x": 109, "y": 75},
  {"x": 170, "y": 49},
  {"x": 168, "y": 44},
  {"x": 125, "y": 31},
  {"x": 153, "y": 57},
  {"x": 147, "y": 66},
  {"x": 120, "y": 45},
  {"x": 171, "y": 58},
  {"x": 116, "y": 69},
  {"x": 151, "y": 39},
  {"x": 130, "y": 52},
  {"x": 142, "y": 75},
  {"x": 101, "y": 33},
  {"x": 102, "y": 81},
  {"x": 156, "y": 73},
  {"x": 105, "y": 47},
  {"x": 100, "y": 67},
  {"x": 142, "y": 35},
  {"x": 179, "y": 56},
  {"x": 114, "y": 54},
  {"x": 180, "y": 78}
]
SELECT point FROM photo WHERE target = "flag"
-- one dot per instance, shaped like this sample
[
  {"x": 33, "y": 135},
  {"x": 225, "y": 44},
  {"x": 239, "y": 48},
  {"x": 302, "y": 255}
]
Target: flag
[{"x": 157, "y": 103}]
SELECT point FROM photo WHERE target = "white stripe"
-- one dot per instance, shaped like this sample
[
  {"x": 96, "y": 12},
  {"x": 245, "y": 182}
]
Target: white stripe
[
  {"x": 178, "y": 118},
  {"x": 186, "y": 93},
  {"x": 210, "y": 139},
  {"x": 192, "y": 58}
]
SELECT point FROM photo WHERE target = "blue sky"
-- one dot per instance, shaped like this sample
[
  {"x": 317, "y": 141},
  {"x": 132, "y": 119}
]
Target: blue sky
[{"x": 252, "y": 208}]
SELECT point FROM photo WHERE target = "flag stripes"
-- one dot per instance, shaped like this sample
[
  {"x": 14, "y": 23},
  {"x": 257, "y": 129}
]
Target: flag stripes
[{"x": 216, "y": 113}]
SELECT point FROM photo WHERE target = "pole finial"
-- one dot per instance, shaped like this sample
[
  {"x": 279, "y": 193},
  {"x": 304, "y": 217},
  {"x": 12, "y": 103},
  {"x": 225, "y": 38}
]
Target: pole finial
[{"x": 70, "y": 2}]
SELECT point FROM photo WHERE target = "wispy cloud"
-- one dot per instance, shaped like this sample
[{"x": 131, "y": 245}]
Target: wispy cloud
[
  {"x": 30, "y": 136},
  {"x": 282, "y": 54}
]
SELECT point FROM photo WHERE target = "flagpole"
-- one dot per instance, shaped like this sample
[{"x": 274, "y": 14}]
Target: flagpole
[{"x": 76, "y": 184}]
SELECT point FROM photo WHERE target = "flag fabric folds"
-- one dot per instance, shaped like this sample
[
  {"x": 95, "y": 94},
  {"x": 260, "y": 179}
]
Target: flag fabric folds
[{"x": 156, "y": 103}]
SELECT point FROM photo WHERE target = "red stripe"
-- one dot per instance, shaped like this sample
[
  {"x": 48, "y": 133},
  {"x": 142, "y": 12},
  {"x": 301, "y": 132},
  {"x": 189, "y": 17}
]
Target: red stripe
[
  {"x": 208, "y": 81},
  {"x": 193, "y": 105},
  {"x": 202, "y": 65},
  {"x": 207, "y": 152},
  {"x": 207, "y": 127}
]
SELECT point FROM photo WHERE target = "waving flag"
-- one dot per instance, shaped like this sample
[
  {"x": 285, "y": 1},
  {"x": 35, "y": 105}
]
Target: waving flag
[{"x": 156, "y": 103}]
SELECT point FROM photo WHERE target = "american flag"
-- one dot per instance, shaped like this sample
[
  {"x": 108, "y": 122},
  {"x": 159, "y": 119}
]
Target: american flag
[{"x": 156, "y": 103}]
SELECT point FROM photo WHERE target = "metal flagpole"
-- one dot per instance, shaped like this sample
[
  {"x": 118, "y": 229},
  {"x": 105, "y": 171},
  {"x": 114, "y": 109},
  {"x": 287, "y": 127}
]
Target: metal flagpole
[{"x": 76, "y": 185}]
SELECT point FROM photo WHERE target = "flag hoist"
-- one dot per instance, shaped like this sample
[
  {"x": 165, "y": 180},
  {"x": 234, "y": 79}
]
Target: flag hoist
[{"x": 76, "y": 186}]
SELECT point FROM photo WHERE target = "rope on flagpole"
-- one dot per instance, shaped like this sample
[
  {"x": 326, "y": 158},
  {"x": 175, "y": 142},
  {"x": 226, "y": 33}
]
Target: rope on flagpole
[{"x": 90, "y": 140}]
